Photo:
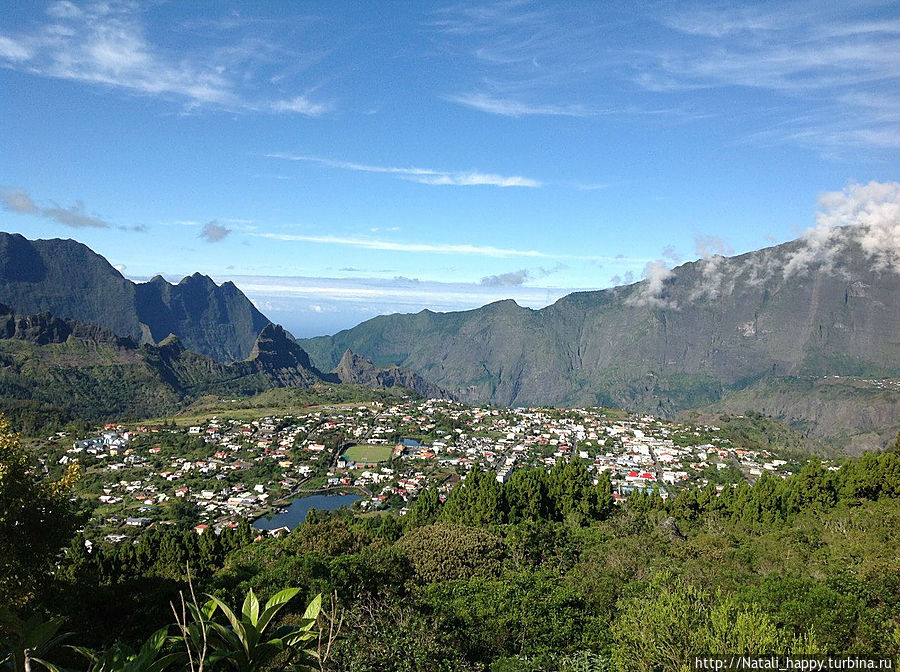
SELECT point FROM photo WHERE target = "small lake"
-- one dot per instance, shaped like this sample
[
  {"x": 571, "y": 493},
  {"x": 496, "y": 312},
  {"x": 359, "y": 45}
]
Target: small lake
[{"x": 297, "y": 510}]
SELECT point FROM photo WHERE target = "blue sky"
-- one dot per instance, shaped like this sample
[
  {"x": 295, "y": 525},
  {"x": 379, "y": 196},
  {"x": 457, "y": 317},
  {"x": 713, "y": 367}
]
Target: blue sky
[{"x": 344, "y": 159}]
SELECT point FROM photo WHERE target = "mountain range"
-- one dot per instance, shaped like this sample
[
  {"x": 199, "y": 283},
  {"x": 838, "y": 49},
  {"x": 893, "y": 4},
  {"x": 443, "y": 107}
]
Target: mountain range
[
  {"x": 87, "y": 371},
  {"x": 90, "y": 372},
  {"x": 745, "y": 332},
  {"x": 807, "y": 331}
]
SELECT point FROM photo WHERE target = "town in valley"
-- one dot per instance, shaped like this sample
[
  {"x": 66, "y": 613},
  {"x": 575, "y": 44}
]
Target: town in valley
[{"x": 224, "y": 469}]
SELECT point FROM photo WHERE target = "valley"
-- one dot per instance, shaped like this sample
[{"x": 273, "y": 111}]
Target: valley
[
  {"x": 471, "y": 336},
  {"x": 223, "y": 470}
]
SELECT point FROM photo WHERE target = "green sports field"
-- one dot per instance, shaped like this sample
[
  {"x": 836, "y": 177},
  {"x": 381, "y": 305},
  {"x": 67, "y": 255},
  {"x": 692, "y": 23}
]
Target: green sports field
[{"x": 368, "y": 453}]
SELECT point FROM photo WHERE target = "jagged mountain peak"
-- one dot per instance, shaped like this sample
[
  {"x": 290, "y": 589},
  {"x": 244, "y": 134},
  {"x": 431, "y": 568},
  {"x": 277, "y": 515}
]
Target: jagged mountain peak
[
  {"x": 197, "y": 278},
  {"x": 356, "y": 369},
  {"x": 276, "y": 348},
  {"x": 350, "y": 361},
  {"x": 71, "y": 281}
]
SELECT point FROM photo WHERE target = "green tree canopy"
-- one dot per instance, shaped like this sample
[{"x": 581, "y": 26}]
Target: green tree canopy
[{"x": 37, "y": 518}]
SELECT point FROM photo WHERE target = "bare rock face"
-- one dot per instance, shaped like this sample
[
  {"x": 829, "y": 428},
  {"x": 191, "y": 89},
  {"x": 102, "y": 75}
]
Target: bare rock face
[
  {"x": 45, "y": 328},
  {"x": 355, "y": 369},
  {"x": 278, "y": 355}
]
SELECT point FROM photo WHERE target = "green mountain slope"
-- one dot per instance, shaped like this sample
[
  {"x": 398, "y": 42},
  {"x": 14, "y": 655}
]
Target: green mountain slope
[
  {"x": 686, "y": 338},
  {"x": 89, "y": 372}
]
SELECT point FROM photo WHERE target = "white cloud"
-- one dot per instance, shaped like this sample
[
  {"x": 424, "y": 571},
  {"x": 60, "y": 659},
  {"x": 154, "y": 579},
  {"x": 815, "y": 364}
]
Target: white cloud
[
  {"x": 652, "y": 290},
  {"x": 671, "y": 254},
  {"x": 510, "y": 107},
  {"x": 476, "y": 179},
  {"x": 706, "y": 246},
  {"x": 420, "y": 175},
  {"x": 64, "y": 10},
  {"x": 511, "y": 279},
  {"x": 715, "y": 277},
  {"x": 840, "y": 63},
  {"x": 513, "y": 108},
  {"x": 13, "y": 51},
  {"x": 301, "y": 105},
  {"x": 465, "y": 249},
  {"x": 872, "y": 213},
  {"x": 106, "y": 43},
  {"x": 392, "y": 246},
  {"x": 783, "y": 47}
]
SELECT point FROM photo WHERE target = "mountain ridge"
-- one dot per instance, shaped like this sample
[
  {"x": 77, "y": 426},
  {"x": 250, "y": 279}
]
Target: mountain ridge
[
  {"x": 52, "y": 365},
  {"x": 89, "y": 372},
  {"x": 70, "y": 280},
  {"x": 680, "y": 339}
]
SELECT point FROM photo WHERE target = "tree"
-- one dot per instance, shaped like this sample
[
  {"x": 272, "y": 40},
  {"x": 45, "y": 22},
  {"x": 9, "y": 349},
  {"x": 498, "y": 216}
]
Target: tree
[
  {"x": 37, "y": 519},
  {"x": 478, "y": 500},
  {"x": 426, "y": 509},
  {"x": 446, "y": 551}
]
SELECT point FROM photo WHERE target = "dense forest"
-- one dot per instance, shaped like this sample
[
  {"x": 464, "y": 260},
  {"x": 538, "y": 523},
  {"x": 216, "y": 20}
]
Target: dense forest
[{"x": 543, "y": 572}]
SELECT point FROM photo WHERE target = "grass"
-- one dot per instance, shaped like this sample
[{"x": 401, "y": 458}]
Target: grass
[{"x": 369, "y": 453}]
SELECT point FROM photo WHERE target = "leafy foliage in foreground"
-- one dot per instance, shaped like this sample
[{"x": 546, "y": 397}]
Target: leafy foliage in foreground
[{"x": 34, "y": 517}]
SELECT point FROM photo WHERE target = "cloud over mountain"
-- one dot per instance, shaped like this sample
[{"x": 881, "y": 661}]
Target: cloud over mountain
[{"x": 869, "y": 213}]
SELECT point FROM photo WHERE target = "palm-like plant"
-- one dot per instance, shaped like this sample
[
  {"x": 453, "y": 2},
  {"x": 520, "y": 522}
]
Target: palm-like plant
[
  {"x": 243, "y": 644},
  {"x": 28, "y": 641},
  {"x": 122, "y": 659}
]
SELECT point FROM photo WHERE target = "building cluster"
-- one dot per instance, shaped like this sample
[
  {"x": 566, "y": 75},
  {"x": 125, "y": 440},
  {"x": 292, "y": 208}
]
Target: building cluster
[{"x": 226, "y": 469}]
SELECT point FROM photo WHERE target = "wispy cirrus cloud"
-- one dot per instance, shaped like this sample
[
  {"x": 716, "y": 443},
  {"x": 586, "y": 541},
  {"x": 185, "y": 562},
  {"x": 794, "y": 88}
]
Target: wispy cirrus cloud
[
  {"x": 394, "y": 246},
  {"x": 464, "y": 249},
  {"x": 421, "y": 175},
  {"x": 839, "y": 60},
  {"x": 508, "y": 107},
  {"x": 824, "y": 75},
  {"x": 511, "y": 107},
  {"x": 107, "y": 44},
  {"x": 533, "y": 59},
  {"x": 301, "y": 105}
]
